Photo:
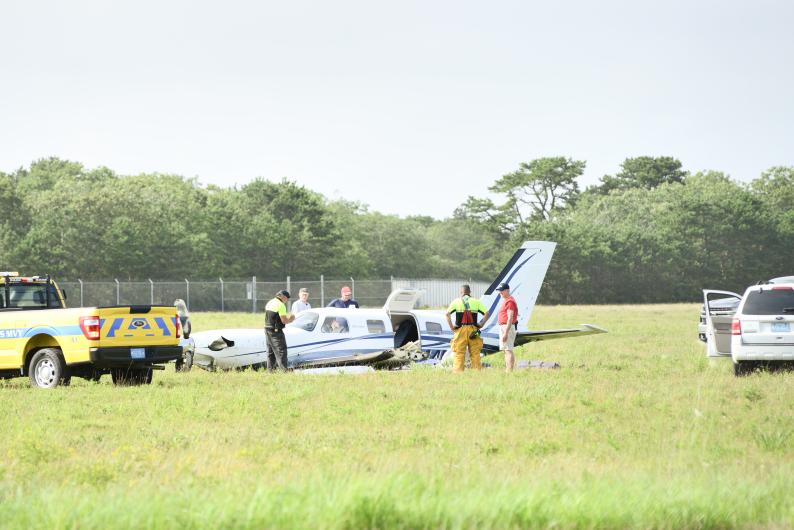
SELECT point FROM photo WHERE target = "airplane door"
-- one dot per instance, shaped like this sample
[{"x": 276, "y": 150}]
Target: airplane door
[
  {"x": 401, "y": 301},
  {"x": 719, "y": 308}
]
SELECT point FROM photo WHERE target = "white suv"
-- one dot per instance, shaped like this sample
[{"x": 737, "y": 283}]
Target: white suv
[{"x": 760, "y": 332}]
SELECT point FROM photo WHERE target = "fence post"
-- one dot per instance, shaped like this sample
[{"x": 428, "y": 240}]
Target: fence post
[
  {"x": 253, "y": 292},
  {"x": 288, "y": 285},
  {"x": 322, "y": 291},
  {"x": 221, "y": 280},
  {"x": 352, "y": 288},
  {"x": 81, "y": 291},
  {"x": 151, "y": 291},
  {"x": 118, "y": 292},
  {"x": 187, "y": 294}
]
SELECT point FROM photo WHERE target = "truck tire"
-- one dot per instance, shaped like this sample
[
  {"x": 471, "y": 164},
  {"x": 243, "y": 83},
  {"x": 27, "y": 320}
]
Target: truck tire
[
  {"x": 47, "y": 369},
  {"x": 131, "y": 376}
]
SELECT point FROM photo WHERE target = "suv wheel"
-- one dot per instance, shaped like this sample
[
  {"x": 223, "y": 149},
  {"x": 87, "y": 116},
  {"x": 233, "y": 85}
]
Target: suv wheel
[
  {"x": 185, "y": 363},
  {"x": 47, "y": 369},
  {"x": 742, "y": 368},
  {"x": 131, "y": 376}
]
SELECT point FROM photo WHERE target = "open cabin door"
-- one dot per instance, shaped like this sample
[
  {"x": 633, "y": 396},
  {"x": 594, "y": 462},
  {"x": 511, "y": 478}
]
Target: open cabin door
[
  {"x": 399, "y": 306},
  {"x": 401, "y": 301},
  {"x": 719, "y": 308}
]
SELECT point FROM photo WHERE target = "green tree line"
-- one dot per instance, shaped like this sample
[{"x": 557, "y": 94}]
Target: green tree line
[{"x": 652, "y": 232}]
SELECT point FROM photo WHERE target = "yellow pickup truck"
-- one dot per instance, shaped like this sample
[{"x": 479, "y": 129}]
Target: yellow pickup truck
[{"x": 42, "y": 339}]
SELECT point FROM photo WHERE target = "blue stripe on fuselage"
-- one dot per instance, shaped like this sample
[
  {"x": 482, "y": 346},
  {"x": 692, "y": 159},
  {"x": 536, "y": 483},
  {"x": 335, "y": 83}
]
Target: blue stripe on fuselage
[{"x": 343, "y": 339}]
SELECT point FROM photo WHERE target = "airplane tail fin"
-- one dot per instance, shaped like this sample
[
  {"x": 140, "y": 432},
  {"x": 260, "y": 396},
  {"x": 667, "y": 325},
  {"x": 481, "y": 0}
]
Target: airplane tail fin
[{"x": 524, "y": 273}]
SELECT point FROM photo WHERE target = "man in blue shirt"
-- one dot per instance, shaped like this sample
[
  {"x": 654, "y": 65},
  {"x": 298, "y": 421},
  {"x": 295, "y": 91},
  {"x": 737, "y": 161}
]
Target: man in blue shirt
[{"x": 346, "y": 301}]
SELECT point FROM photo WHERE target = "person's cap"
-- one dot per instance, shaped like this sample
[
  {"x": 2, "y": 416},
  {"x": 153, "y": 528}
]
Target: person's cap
[
  {"x": 346, "y": 290},
  {"x": 502, "y": 287},
  {"x": 283, "y": 293}
]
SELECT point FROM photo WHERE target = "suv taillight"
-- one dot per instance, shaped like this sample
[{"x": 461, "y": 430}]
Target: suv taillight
[
  {"x": 90, "y": 327},
  {"x": 736, "y": 327},
  {"x": 178, "y": 327}
]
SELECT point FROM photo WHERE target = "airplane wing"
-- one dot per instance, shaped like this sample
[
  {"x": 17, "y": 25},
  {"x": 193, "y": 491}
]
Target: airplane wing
[{"x": 523, "y": 337}]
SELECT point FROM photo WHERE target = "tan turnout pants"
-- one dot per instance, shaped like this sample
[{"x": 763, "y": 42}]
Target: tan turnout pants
[{"x": 460, "y": 342}]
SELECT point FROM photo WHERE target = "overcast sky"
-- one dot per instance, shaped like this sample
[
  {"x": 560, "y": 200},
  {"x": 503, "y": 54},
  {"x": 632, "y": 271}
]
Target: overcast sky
[{"x": 406, "y": 106}]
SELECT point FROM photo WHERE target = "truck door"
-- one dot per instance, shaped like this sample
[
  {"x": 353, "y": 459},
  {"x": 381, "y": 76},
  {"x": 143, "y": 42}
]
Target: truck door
[
  {"x": 719, "y": 308},
  {"x": 12, "y": 340}
]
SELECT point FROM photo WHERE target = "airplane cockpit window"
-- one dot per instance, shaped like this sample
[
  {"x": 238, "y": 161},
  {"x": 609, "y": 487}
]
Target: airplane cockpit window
[
  {"x": 376, "y": 326},
  {"x": 306, "y": 321},
  {"x": 433, "y": 327},
  {"x": 335, "y": 325}
]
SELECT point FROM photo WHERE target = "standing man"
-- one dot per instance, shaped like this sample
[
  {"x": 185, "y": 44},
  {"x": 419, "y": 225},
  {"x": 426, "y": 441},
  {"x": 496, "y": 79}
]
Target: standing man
[
  {"x": 346, "y": 301},
  {"x": 276, "y": 318},
  {"x": 302, "y": 304},
  {"x": 466, "y": 329},
  {"x": 508, "y": 323}
]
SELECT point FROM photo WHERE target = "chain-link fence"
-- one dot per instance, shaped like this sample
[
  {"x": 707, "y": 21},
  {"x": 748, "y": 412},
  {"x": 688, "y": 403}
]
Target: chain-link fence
[{"x": 251, "y": 295}]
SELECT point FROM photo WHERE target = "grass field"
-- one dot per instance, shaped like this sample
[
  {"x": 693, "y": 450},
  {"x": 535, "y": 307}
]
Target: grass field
[{"x": 637, "y": 429}]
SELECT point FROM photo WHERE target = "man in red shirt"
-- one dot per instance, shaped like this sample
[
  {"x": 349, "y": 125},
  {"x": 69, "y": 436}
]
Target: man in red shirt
[{"x": 507, "y": 320}]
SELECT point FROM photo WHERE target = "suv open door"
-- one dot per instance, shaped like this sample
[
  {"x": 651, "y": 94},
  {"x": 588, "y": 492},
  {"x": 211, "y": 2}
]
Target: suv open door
[{"x": 719, "y": 308}]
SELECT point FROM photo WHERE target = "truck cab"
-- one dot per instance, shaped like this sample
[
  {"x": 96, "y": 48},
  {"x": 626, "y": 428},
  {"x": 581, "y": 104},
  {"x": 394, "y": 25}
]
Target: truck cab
[
  {"x": 40, "y": 337},
  {"x": 29, "y": 293}
]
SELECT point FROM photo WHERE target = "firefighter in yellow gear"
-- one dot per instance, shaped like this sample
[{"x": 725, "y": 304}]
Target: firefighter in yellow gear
[{"x": 466, "y": 329}]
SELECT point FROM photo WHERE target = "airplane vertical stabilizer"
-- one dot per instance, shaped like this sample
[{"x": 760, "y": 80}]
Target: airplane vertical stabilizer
[{"x": 524, "y": 273}]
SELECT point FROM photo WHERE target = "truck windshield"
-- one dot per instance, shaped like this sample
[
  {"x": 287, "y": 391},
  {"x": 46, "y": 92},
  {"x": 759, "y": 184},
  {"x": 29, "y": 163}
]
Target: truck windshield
[{"x": 28, "y": 296}]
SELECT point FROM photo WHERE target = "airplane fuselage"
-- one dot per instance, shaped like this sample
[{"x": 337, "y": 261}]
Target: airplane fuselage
[{"x": 331, "y": 335}]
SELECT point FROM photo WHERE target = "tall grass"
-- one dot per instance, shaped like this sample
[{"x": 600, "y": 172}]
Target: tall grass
[{"x": 637, "y": 429}]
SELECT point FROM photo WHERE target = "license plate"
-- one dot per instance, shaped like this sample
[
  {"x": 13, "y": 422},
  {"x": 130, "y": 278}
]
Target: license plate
[
  {"x": 138, "y": 353},
  {"x": 780, "y": 327}
]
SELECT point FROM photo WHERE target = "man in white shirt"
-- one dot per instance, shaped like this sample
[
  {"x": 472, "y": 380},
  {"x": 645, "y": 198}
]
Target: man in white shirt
[{"x": 302, "y": 304}]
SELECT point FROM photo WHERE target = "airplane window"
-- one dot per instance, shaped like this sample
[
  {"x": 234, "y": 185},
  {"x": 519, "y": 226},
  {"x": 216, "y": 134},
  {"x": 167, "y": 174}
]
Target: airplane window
[
  {"x": 334, "y": 325},
  {"x": 433, "y": 327},
  {"x": 306, "y": 320},
  {"x": 376, "y": 326}
]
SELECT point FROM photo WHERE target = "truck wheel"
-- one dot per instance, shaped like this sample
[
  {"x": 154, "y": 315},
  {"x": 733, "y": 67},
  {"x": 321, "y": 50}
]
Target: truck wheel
[
  {"x": 47, "y": 369},
  {"x": 131, "y": 376}
]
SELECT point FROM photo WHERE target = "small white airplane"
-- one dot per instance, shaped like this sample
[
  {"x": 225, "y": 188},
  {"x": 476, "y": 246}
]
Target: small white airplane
[{"x": 330, "y": 336}]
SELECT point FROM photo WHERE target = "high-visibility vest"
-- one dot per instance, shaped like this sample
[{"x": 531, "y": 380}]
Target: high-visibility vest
[
  {"x": 274, "y": 310},
  {"x": 466, "y": 310}
]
